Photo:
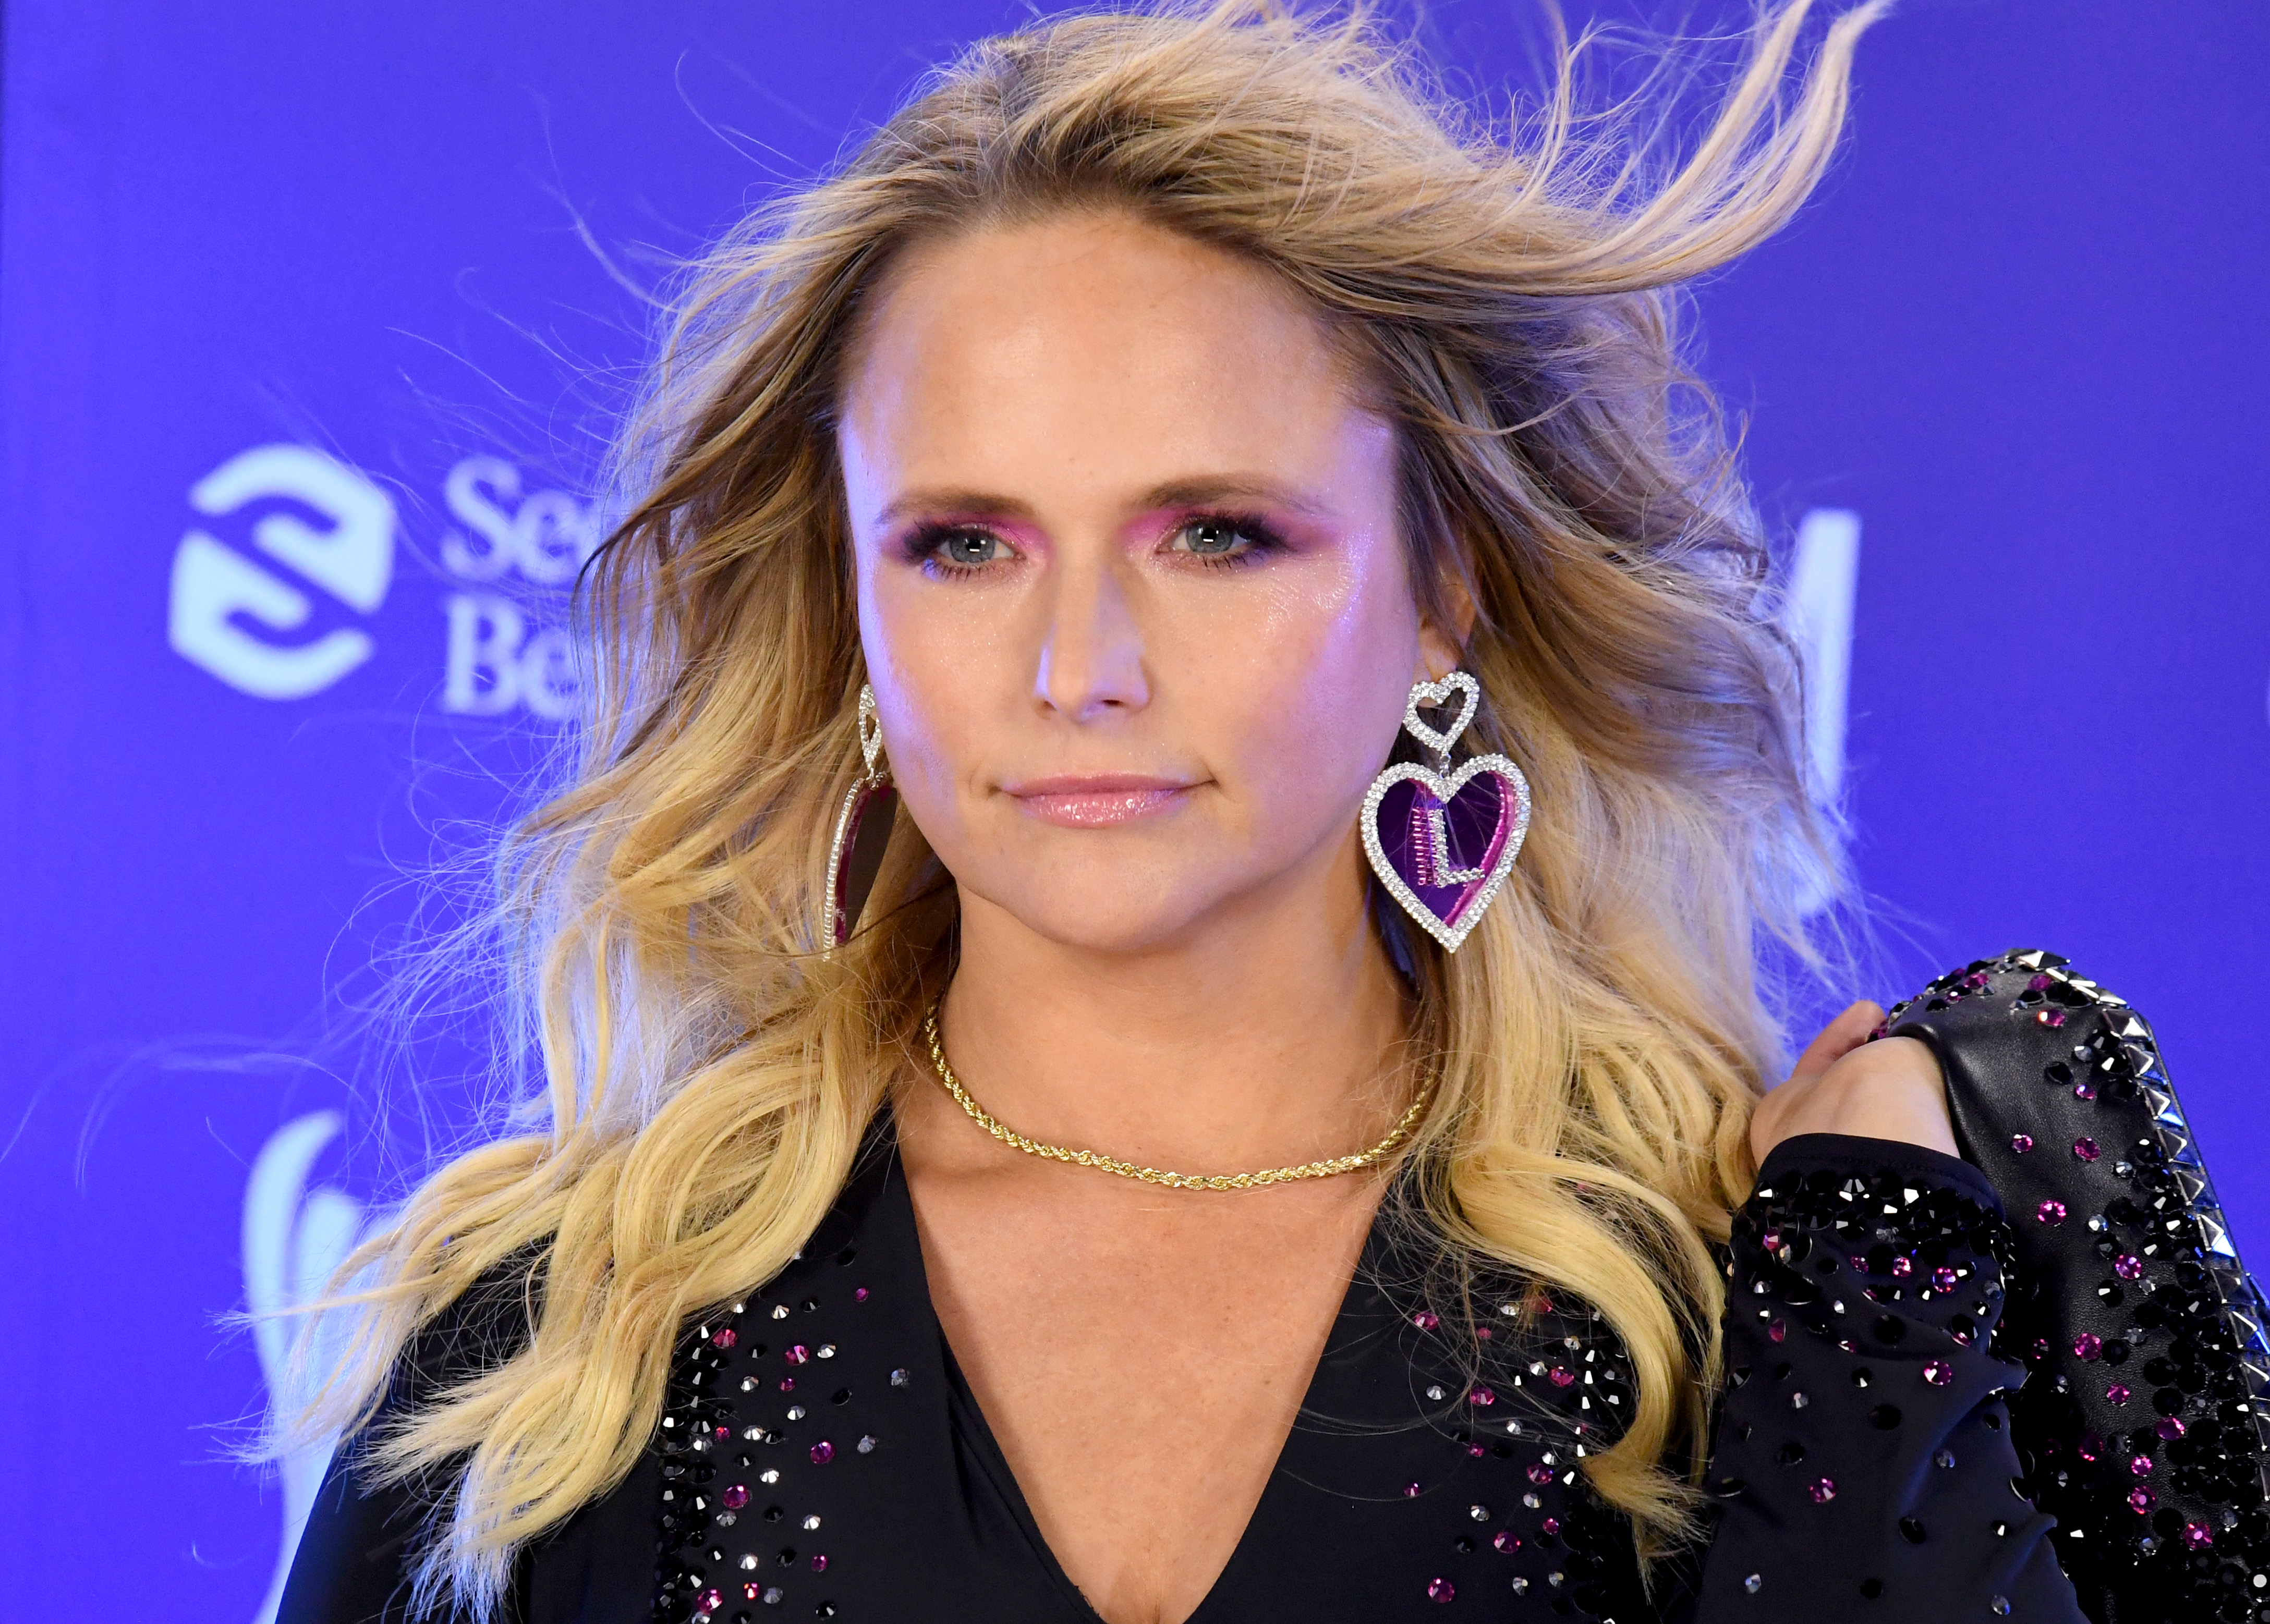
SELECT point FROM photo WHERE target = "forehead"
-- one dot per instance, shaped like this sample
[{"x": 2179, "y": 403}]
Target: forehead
[{"x": 1092, "y": 343}]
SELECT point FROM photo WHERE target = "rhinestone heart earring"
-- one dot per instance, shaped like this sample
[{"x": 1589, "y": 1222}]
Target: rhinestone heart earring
[
  {"x": 1417, "y": 822},
  {"x": 862, "y": 830}
]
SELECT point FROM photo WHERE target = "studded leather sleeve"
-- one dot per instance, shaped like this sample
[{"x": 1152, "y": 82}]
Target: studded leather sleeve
[{"x": 1863, "y": 1459}]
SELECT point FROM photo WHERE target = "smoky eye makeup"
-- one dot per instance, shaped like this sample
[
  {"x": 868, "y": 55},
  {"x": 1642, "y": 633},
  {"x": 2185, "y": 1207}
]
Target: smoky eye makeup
[
  {"x": 1216, "y": 538},
  {"x": 943, "y": 549},
  {"x": 1224, "y": 540}
]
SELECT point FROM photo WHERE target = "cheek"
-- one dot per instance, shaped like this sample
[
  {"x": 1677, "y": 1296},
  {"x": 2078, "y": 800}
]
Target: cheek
[
  {"x": 1325, "y": 685},
  {"x": 916, "y": 666}
]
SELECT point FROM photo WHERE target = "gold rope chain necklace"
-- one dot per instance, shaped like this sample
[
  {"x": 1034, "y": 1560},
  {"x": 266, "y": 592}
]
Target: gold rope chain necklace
[{"x": 1009, "y": 1136}]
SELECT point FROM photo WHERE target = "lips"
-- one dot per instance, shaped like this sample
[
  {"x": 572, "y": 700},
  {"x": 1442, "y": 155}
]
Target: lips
[{"x": 1100, "y": 801}]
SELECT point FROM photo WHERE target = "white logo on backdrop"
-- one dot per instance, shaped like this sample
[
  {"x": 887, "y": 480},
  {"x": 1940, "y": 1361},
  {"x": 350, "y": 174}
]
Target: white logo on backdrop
[
  {"x": 1817, "y": 614},
  {"x": 228, "y": 609},
  {"x": 494, "y": 659},
  {"x": 293, "y": 1238},
  {"x": 217, "y": 590}
]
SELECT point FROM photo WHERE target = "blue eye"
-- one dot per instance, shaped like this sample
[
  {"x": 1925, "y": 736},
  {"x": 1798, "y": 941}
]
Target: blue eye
[
  {"x": 945, "y": 551},
  {"x": 1210, "y": 537},
  {"x": 969, "y": 549},
  {"x": 1224, "y": 538}
]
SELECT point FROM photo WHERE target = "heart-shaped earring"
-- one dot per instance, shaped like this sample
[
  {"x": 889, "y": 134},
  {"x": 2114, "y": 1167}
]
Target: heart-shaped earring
[{"x": 1419, "y": 822}]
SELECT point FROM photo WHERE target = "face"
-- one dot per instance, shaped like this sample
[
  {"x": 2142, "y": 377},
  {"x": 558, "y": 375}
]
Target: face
[{"x": 1131, "y": 589}]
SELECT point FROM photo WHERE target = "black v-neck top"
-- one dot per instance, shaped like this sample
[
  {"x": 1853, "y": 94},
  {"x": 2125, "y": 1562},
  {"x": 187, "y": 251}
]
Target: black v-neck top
[{"x": 821, "y": 1457}]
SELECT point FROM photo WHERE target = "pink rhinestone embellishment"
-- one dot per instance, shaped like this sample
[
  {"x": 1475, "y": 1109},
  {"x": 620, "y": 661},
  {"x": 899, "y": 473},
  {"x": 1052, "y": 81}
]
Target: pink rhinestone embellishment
[
  {"x": 2040, "y": 984},
  {"x": 724, "y": 1339},
  {"x": 1561, "y": 1375},
  {"x": 1506, "y": 1540},
  {"x": 1777, "y": 1331},
  {"x": 2051, "y": 1017},
  {"x": 1426, "y": 1319},
  {"x": 822, "y": 1452},
  {"x": 2140, "y": 1465},
  {"x": 787, "y": 1383},
  {"x": 2140, "y": 1501},
  {"x": 797, "y": 1354},
  {"x": 2118, "y": 1393},
  {"x": 2087, "y": 1345},
  {"x": 1938, "y": 1372},
  {"x": 860, "y": 1295},
  {"x": 1410, "y": 1491},
  {"x": 2090, "y": 1446},
  {"x": 1821, "y": 1490},
  {"x": 819, "y": 1562},
  {"x": 1770, "y": 1239},
  {"x": 1552, "y": 1524},
  {"x": 1943, "y": 1278},
  {"x": 2170, "y": 1428},
  {"x": 2051, "y": 1212},
  {"x": 1540, "y": 1473},
  {"x": 736, "y": 1497},
  {"x": 1482, "y": 1396},
  {"x": 2128, "y": 1267},
  {"x": 1903, "y": 1266},
  {"x": 2198, "y": 1536},
  {"x": 2021, "y": 1143},
  {"x": 1441, "y": 1590},
  {"x": 2085, "y": 1149},
  {"x": 713, "y": 1598}
]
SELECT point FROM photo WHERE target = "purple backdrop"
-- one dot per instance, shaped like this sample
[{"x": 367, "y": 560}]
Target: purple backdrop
[{"x": 2017, "y": 351}]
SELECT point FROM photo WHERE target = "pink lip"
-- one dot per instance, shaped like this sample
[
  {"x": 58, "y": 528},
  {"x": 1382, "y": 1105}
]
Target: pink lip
[{"x": 1099, "y": 802}]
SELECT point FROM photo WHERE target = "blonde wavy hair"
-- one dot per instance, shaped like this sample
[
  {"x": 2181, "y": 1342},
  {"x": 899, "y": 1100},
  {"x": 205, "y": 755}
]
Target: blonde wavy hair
[{"x": 1598, "y": 1043}]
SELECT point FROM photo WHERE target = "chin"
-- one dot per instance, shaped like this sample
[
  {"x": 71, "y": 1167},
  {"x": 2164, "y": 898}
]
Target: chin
[{"x": 1105, "y": 907}]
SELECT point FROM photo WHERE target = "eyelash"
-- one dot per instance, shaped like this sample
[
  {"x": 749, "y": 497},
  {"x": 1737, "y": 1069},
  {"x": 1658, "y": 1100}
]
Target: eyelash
[{"x": 926, "y": 544}]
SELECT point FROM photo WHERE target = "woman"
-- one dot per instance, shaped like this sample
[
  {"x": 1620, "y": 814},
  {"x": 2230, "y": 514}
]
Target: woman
[{"x": 1261, "y": 533}]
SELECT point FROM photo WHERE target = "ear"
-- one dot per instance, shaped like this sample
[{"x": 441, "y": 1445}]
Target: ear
[{"x": 1442, "y": 648}]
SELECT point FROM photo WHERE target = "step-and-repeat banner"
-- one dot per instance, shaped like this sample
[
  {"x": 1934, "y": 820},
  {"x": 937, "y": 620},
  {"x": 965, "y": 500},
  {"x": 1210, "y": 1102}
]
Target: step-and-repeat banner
[{"x": 312, "y": 323}]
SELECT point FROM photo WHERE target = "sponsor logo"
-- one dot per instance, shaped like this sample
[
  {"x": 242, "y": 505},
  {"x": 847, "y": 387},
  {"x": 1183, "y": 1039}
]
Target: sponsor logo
[
  {"x": 237, "y": 615},
  {"x": 293, "y": 1238},
  {"x": 1817, "y": 614},
  {"x": 496, "y": 657},
  {"x": 226, "y": 610}
]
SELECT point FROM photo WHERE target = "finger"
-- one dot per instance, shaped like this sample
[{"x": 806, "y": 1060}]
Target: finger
[{"x": 1839, "y": 1038}]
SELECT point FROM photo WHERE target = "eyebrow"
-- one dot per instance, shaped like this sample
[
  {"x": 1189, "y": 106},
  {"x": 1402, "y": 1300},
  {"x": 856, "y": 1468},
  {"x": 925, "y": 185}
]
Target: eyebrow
[{"x": 1191, "y": 492}]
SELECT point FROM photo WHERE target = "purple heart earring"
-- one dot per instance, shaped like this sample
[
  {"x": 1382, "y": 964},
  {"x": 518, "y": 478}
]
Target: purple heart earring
[
  {"x": 863, "y": 830},
  {"x": 1442, "y": 842}
]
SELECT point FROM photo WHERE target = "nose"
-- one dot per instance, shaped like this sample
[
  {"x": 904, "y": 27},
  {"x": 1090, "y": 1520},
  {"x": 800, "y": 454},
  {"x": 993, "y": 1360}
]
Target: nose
[{"x": 1091, "y": 662}]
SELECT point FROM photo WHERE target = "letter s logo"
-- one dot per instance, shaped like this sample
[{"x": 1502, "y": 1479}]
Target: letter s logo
[{"x": 216, "y": 588}]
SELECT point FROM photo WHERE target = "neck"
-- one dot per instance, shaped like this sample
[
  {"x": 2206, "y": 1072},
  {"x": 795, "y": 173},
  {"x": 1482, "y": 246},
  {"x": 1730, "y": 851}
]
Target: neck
[{"x": 1267, "y": 1037}]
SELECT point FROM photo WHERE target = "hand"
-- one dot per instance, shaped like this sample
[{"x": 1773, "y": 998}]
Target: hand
[{"x": 1890, "y": 1089}]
